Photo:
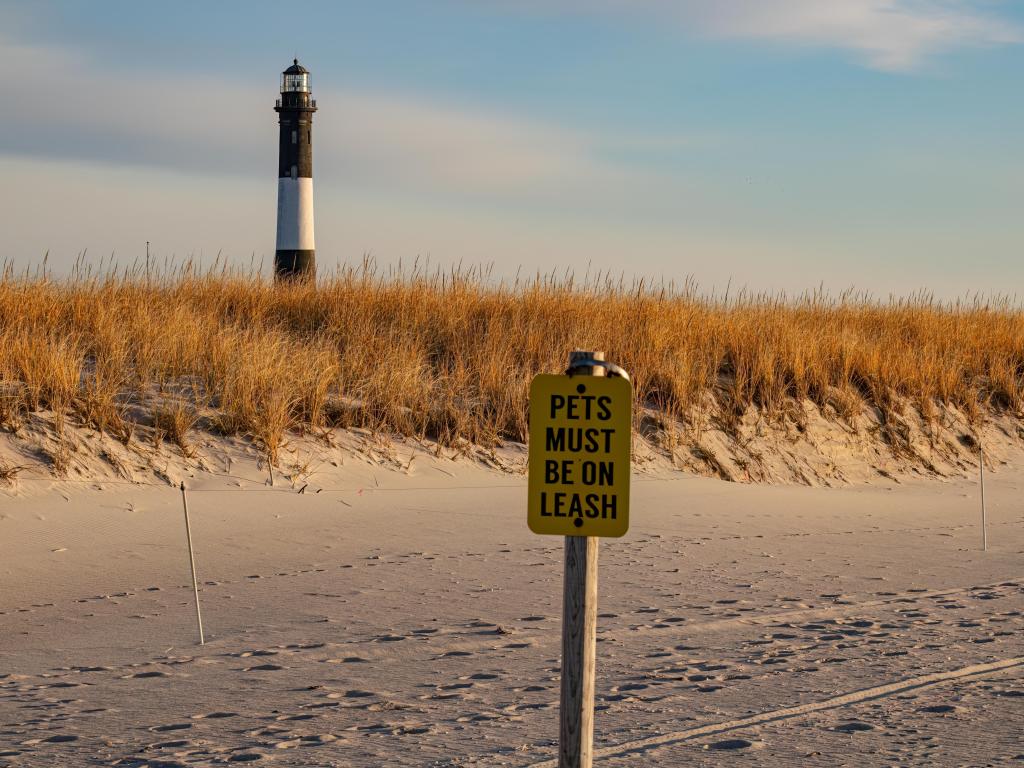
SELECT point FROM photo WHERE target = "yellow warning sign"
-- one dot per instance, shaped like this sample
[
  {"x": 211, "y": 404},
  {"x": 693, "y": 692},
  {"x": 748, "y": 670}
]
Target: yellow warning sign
[{"x": 579, "y": 455}]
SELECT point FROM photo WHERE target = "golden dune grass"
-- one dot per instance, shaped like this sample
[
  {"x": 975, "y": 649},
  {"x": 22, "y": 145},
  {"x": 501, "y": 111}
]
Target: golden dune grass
[{"x": 450, "y": 355}]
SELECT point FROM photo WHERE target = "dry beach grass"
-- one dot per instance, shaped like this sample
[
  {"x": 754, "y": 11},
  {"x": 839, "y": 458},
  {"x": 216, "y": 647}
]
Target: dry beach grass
[{"x": 448, "y": 355}]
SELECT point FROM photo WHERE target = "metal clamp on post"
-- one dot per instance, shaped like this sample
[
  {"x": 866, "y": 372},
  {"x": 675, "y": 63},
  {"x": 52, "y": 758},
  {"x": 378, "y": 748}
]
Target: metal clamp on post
[{"x": 586, "y": 365}]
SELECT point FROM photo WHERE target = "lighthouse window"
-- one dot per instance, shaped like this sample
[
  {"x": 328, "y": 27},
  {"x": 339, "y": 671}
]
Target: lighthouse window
[
  {"x": 295, "y": 171},
  {"x": 295, "y": 137},
  {"x": 298, "y": 83}
]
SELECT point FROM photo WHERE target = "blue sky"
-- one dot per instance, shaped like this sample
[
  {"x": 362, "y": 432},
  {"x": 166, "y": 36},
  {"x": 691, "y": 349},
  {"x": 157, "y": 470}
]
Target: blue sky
[{"x": 776, "y": 144}]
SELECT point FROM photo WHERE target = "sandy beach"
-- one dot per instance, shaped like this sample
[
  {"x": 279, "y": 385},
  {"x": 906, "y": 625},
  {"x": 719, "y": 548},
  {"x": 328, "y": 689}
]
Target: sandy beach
[
  {"x": 323, "y": 323},
  {"x": 389, "y": 618}
]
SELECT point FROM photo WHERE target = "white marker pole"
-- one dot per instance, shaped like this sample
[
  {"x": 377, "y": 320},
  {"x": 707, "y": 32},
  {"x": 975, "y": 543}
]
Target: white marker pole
[
  {"x": 984, "y": 531},
  {"x": 192, "y": 564}
]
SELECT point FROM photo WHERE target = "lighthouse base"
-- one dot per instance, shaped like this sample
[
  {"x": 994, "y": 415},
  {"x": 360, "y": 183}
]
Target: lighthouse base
[{"x": 295, "y": 265}]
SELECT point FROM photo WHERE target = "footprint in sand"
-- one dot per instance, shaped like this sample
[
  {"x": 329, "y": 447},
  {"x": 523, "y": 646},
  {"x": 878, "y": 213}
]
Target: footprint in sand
[
  {"x": 854, "y": 727},
  {"x": 171, "y": 727},
  {"x": 940, "y": 709},
  {"x": 386, "y": 706},
  {"x": 730, "y": 744},
  {"x": 1010, "y": 693},
  {"x": 410, "y": 730},
  {"x": 480, "y": 718},
  {"x": 144, "y": 675},
  {"x": 631, "y": 687},
  {"x": 176, "y": 744}
]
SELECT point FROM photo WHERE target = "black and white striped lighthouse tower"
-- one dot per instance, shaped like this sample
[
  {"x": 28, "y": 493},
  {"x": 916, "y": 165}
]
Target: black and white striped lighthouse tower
[{"x": 296, "y": 253}]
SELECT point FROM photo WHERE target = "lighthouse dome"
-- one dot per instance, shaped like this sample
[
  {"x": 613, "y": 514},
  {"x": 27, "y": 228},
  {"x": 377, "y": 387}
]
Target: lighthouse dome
[{"x": 296, "y": 69}]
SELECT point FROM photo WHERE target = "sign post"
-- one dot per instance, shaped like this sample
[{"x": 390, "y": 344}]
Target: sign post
[{"x": 580, "y": 437}]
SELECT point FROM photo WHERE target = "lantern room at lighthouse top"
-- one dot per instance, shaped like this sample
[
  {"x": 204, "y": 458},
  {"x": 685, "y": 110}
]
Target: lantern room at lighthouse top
[{"x": 295, "y": 79}]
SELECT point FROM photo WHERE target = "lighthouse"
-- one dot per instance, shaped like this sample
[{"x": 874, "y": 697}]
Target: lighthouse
[{"x": 296, "y": 253}]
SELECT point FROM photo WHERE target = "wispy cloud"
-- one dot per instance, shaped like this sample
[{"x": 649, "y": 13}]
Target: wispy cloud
[
  {"x": 409, "y": 140},
  {"x": 891, "y": 35},
  {"x": 69, "y": 106}
]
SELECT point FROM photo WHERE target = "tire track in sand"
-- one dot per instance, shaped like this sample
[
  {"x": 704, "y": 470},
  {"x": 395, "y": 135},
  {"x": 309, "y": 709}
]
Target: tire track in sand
[{"x": 775, "y": 715}]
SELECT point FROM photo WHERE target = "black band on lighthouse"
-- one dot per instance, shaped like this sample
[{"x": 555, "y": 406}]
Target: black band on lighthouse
[{"x": 292, "y": 263}]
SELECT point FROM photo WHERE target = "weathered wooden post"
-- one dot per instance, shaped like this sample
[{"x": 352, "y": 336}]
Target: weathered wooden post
[
  {"x": 579, "y": 627},
  {"x": 580, "y": 437}
]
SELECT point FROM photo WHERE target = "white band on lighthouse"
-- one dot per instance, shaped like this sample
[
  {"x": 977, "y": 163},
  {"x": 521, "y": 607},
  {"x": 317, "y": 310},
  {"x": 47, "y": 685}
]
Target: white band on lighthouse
[{"x": 295, "y": 214}]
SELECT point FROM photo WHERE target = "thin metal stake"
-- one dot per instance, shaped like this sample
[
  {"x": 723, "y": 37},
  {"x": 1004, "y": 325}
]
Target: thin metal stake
[
  {"x": 984, "y": 530},
  {"x": 192, "y": 563}
]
